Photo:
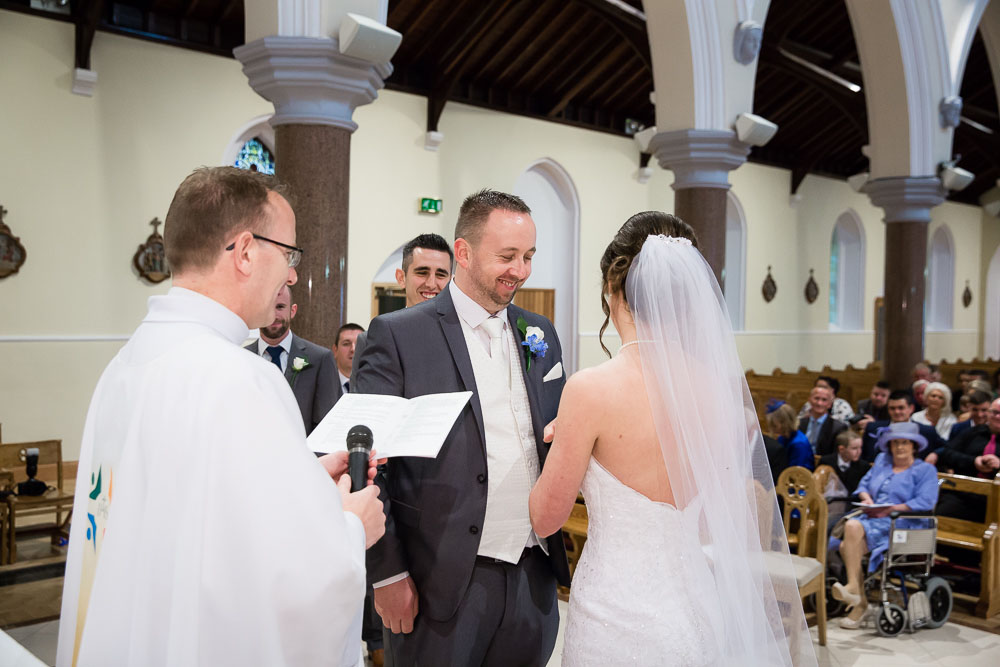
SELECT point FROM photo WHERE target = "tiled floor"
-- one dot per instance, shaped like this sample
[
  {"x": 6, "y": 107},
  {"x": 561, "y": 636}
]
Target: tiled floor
[{"x": 949, "y": 646}]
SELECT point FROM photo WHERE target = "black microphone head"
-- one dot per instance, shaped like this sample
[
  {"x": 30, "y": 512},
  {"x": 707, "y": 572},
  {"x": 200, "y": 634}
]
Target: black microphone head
[{"x": 359, "y": 436}]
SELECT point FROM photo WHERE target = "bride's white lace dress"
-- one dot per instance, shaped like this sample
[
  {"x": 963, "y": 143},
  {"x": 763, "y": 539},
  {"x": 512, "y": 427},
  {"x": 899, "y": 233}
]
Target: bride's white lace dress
[{"x": 642, "y": 592}]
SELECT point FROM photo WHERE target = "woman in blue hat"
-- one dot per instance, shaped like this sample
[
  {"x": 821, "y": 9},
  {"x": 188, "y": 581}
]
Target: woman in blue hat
[{"x": 897, "y": 482}]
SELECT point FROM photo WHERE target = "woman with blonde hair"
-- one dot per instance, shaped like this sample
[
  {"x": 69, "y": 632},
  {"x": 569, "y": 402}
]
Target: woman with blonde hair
[{"x": 937, "y": 398}]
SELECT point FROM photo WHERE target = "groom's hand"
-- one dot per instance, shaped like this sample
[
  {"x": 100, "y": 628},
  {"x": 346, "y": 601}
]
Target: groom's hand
[
  {"x": 549, "y": 432},
  {"x": 397, "y": 605}
]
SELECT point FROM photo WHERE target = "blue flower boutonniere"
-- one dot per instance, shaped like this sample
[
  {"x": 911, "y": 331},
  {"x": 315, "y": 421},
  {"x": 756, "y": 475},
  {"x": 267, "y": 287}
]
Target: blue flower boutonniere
[{"x": 533, "y": 338}]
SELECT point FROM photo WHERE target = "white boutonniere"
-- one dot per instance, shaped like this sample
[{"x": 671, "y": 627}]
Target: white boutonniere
[{"x": 299, "y": 364}]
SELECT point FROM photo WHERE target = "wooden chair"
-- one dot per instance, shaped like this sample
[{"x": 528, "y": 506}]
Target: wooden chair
[
  {"x": 798, "y": 491},
  {"x": 982, "y": 538},
  {"x": 54, "y": 502}
]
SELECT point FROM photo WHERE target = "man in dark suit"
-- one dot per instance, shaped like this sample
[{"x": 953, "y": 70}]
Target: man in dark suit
[
  {"x": 973, "y": 453},
  {"x": 979, "y": 407},
  {"x": 459, "y": 545},
  {"x": 344, "y": 348},
  {"x": 819, "y": 426},
  {"x": 309, "y": 368},
  {"x": 875, "y": 408},
  {"x": 900, "y": 410}
]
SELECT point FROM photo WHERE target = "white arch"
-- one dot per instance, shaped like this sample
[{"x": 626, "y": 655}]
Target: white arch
[
  {"x": 847, "y": 278},
  {"x": 387, "y": 272},
  {"x": 941, "y": 280},
  {"x": 259, "y": 127},
  {"x": 736, "y": 254},
  {"x": 549, "y": 190},
  {"x": 991, "y": 321}
]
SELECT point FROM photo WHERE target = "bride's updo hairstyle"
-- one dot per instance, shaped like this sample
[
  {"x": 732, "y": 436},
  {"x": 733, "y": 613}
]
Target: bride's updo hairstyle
[{"x": 623, "y": 249}]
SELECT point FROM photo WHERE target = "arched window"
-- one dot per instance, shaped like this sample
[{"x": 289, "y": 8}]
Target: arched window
[
  {"x": 255, "y": 156},
  {"x": 736, "y": 252},
  {"x": 847, "y": 273},
  {"x": 940, "y": 280}
]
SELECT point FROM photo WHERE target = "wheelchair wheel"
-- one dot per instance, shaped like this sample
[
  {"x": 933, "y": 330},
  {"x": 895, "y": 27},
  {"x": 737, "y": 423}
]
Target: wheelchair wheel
[
  {"x": 891, "y": 620},
  {"x": 939, "y": 596}
]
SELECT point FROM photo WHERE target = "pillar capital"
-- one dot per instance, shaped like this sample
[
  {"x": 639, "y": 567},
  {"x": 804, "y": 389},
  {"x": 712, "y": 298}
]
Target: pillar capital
[
  {"x": 309, "y": 81},
  {"x": 699, "y": 158},
  {"x": 906, "y": 198}
]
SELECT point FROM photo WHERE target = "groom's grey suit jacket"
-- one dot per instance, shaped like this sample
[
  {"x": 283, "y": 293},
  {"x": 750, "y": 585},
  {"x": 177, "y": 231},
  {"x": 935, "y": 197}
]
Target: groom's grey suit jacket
[
  {"x": 435, "y": 508},
  {"x": 317, "y": 386}
]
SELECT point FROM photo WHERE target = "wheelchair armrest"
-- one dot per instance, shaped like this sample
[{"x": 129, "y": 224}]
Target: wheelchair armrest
[{"x": 910, "y": 513}]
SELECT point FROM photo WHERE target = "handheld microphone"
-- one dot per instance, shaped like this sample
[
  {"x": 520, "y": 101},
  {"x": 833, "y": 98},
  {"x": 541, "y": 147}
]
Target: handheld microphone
[{"x": 359, "y": 448}]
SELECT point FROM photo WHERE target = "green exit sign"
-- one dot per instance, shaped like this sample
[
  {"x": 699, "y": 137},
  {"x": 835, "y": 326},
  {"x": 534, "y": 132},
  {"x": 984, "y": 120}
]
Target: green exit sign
[{"x": 428, "y": 205}]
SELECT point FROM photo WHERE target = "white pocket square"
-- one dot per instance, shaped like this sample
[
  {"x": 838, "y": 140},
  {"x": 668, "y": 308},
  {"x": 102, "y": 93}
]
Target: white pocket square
[{"x": 555, "y": 373}]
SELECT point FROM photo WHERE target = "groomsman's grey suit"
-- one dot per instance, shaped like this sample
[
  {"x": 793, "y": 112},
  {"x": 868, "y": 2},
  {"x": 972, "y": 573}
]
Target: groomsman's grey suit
[
  {"x": 317, "y": 386},
  {"x": 436, "y": 507}
]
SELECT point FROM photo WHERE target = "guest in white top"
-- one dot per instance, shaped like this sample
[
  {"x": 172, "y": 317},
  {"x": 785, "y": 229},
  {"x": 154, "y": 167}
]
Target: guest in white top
[{"x": 937, "y": 397}]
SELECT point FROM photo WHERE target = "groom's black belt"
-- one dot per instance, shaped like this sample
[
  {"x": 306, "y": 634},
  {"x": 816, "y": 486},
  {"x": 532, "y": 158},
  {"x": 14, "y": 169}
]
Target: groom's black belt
[{"x": 499, "y": 561}]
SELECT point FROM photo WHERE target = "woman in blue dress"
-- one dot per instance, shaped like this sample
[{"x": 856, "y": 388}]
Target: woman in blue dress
[
  {"x": 897, "y": 482},
  {"x": 783, "y": 424}
]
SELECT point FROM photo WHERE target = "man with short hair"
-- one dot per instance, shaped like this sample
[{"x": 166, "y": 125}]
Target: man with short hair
[
  {"x": 974, "y": 453},
  {"x": 979, "y": 407},
  {"x": 459, "y": 546},
  {"x": 309, "y": 368},
  {"x": 900, "y": 407},
  {"x": 819, "y": 426},
  {"x": 876, "y": 406},
  {"x": 343, "y": 352},
  {"x": 840, "y": 409},
  {"x": 225, "y": 540}
]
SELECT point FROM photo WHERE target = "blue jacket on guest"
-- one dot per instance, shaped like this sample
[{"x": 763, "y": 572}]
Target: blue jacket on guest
[{"x": 800, "y": 452}]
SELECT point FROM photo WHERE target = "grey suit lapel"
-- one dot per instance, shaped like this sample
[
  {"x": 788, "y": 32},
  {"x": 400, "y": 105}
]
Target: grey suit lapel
[
  {"x": 455, "y": 338},
  {"x": 294, "y": 350}
]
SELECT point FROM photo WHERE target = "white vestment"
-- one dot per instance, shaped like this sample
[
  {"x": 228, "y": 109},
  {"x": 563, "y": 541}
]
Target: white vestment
[{"x": 204, "y": 530}]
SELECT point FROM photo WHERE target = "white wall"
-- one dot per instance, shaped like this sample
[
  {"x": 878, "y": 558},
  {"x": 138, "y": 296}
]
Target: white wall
[{"x": 83, "y": 176}]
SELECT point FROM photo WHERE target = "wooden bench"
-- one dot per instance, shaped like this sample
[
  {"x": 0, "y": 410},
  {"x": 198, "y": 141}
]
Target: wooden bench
[
  {"x": 982, "y": 538},
  {"x": 575, "y": 530},
  {"x": 53, "y": 503}
]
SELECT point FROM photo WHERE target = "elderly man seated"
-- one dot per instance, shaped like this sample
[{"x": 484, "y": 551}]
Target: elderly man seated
[
  {"x": 897, "y": 482},
  {"x": 973, "y": 453},
  {"x": 819, "y": 425},
  {"x": 840, "y": 409}
]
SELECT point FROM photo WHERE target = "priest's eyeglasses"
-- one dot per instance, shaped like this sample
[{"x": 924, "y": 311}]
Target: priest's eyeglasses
[{"x": 293, "y": 253}]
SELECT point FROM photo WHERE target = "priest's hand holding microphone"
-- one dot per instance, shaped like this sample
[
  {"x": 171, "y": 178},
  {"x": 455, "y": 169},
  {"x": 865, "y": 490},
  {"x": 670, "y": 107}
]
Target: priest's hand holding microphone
[{"x": 357, "y": 490}]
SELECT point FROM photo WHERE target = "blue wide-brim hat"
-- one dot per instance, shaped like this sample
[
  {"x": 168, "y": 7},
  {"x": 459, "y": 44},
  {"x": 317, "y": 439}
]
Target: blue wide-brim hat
[{"x": 900, "y": 431}]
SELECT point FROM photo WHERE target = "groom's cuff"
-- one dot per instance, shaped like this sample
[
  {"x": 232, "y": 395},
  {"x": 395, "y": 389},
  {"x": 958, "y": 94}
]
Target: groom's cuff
[{"x": 391, "y": 580}]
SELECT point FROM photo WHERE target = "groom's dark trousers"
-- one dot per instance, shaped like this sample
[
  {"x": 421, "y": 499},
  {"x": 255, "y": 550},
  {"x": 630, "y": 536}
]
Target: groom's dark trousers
[{"x": 472, "y": 610}]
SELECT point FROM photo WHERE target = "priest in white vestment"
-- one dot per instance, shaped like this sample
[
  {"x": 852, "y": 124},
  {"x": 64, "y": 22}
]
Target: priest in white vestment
[{"x": 205, "y": 532}]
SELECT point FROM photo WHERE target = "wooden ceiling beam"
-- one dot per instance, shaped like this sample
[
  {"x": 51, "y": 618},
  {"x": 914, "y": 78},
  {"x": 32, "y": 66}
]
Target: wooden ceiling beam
[
  {"x": 617, "y": 80},
  {"x": 88, "y": 15},
  {"x": 556, "y": 25},
  {"x": 631, "y": 28},
  {"x": 591, "y": 75},
  {"x": 509, "y": 40},
  {"x": 629, "y": 85}
]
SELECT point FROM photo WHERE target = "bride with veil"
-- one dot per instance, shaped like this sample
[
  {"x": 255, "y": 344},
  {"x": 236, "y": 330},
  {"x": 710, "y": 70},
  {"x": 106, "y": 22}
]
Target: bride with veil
[{"x": 686, "y": 561}]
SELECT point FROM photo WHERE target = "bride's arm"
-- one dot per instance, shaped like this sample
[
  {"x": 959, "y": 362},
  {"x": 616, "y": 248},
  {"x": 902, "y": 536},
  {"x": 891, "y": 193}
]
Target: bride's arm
[{"x": 555, "y": 492}]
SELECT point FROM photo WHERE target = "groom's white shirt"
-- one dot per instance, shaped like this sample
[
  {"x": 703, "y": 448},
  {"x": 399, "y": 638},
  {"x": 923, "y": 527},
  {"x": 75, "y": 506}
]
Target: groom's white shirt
[{"x": 205, "y": 530}]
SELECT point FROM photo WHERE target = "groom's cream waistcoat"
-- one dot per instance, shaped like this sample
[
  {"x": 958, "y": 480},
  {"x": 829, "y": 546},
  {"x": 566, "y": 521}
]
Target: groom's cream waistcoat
[{"x": 511, "y": 457}]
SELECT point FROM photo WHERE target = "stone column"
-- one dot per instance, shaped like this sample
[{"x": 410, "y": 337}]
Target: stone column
[
  {"x": 701, "y": 161},
  {"x": 315, "y": 90},
  {"x": 907, "y": 203}
]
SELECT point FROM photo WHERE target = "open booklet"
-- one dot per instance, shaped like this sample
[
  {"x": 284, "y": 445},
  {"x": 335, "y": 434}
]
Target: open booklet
[
  {"x": 400, "y": 426},
  {"x": 874, "y": 506}
]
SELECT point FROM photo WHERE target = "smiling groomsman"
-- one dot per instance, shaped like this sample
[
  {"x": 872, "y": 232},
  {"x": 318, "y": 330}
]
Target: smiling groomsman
[
  {"x": 460, "y": 577},
  {"x": 308, "y": 367}
]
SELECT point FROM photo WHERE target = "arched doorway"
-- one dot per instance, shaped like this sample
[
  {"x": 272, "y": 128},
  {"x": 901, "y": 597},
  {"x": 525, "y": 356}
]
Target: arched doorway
[
  {"x": 847, "y": 273},
  {"x": 941, "y": 280},
  {"x": 991, "y": 321},
  {"x": 734, "y": 287},
  {"x": 555, "y": 207}
]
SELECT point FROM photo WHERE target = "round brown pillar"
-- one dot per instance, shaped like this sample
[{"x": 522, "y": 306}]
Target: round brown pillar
[
  {"x": 905, "y": 259},
  {"x": 907, "y": 202},
  {"x": 705, "y": 210},
  {"x": 315, "y": 162}
]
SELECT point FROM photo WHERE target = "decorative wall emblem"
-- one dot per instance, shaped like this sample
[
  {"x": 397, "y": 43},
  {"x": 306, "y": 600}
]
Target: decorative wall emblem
[
  {"x": 812, "y": 289},
  {"x": 966, "y": 295},
  {"x": 950, "y": 111},
  {"x": 746, "y": 42},
  {"x": 150, "y": 260},
  {"x": 769, "y": 288},
  {"x": 12, "y": 253}
]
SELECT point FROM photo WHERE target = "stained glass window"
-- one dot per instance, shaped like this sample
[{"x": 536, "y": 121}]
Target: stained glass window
[{"x": 256, "y": 157}]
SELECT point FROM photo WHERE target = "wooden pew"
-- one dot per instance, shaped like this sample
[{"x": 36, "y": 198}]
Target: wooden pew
[{"x": 982, "y": 538}]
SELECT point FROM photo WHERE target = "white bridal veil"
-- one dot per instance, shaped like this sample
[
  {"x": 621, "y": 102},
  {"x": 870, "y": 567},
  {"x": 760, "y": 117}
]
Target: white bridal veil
[{"x": 714, "y": 452}]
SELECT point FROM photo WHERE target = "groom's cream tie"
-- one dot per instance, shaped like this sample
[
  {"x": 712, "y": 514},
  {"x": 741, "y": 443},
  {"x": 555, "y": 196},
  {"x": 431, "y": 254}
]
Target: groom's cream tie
[{"x": 494, "y": 327}]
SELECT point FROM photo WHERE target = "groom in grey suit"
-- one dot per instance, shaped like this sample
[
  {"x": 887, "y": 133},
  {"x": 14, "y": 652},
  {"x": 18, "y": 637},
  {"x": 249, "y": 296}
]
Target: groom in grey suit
[
  {"x": 308, "y": 367},
  {"x": 460, "y": 577}
]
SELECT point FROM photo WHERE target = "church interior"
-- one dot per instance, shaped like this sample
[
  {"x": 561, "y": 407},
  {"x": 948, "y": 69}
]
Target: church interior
[{"x": 839, "y": 160}]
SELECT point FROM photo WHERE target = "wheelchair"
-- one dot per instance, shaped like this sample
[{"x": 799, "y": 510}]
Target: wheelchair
[{"x": 908, "y": 560}]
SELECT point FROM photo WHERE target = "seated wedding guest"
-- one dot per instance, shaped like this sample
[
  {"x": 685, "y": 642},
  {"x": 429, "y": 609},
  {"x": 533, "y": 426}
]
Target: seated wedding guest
[
  {"x": 846, "y": 462},
  {"x": 937, "y": 398},
  {"x": 898, "y": 481},
  {"x": 972, "y": 453},
  {"x": 781, "y": 424},
  {"x": 977, "y": 407},
  {"x": 900, "y": 408},
  {"x": 917, "y": 389},
  {"x": 841, "y": 409},
  {"x": 964, "y": 378},
  {"x": 821, "y": 427},
  {"x": 921, "y": 371},
  {"x": 876, "y": 406}
]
